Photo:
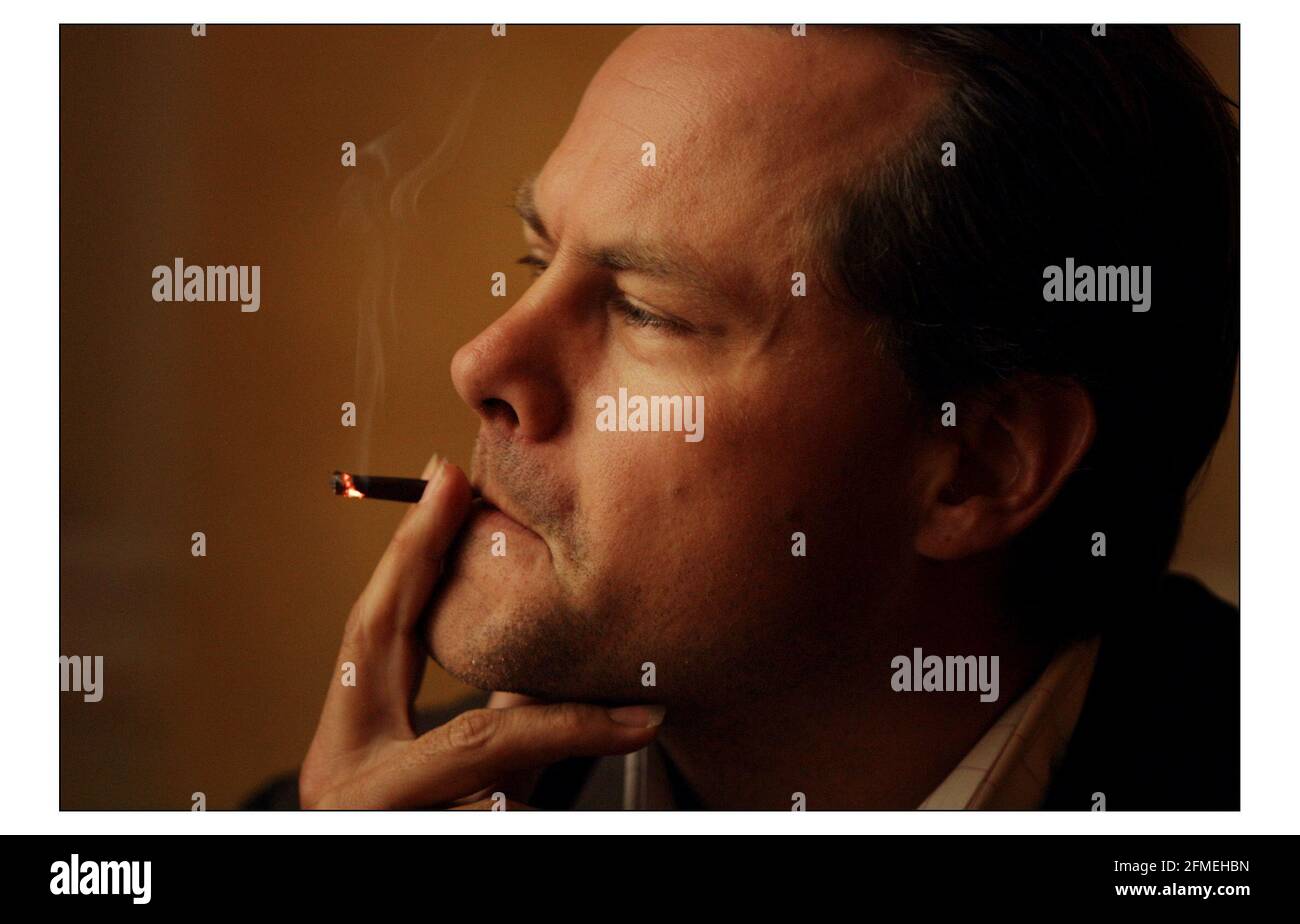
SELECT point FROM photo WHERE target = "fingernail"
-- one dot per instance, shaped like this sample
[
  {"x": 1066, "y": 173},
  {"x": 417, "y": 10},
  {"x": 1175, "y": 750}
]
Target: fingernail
[
  {"x": 638, "y": 716},
  {"x": 435, "y": 479}
]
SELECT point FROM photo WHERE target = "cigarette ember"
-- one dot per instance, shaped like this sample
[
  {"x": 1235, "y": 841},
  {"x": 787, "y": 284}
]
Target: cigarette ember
[{"x": 377, "y": 487}]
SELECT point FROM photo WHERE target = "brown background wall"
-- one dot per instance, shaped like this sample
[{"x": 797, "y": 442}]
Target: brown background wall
[{"x": 177, "y": 417}]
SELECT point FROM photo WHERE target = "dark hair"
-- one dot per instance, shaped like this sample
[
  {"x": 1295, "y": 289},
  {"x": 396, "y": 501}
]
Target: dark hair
[{"x": 1112, "y": 150}]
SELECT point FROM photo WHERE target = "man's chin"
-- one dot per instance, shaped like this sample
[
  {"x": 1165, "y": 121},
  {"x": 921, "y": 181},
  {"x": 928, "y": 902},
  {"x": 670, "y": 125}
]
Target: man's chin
[
  {"x": 461, "y": 634},
  {"x": 468, "y": 616},
  {"x": 495, "y": 625}
]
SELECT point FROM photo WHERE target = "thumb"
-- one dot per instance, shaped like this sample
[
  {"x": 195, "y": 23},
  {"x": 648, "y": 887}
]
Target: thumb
[{"x": 480, "y": 747}]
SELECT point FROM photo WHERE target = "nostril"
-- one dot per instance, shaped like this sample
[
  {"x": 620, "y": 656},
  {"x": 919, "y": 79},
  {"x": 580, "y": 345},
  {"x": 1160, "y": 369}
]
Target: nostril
[{"x": 496, "y": 409}]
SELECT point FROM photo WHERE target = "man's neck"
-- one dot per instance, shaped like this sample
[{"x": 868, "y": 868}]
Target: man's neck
[{"x": 845, "y": 738}]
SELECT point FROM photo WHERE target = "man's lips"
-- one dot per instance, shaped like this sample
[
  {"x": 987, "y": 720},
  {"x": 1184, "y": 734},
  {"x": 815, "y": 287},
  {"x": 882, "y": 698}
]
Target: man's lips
[{"x": 486, "y": 500}]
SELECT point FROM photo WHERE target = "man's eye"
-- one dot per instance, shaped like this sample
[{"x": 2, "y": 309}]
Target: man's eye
[
  {"x": 537, "y": 264},
  {"x": 632, "y": 314},
  {"x": 639, "y": 317}
]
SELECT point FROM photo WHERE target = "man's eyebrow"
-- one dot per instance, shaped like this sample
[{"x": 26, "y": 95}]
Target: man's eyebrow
[
  {"x": 526, "y": 206},
  {"x": 630, "y": 257},
  {"x": 649, "y": 260}
]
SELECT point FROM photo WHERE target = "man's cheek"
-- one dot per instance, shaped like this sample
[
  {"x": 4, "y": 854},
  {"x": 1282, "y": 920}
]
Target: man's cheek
[{"x": 676, "y": 489}]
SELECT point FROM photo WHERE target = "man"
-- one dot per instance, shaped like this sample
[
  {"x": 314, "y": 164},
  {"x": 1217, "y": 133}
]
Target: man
[{"x": 840, "y": 446}]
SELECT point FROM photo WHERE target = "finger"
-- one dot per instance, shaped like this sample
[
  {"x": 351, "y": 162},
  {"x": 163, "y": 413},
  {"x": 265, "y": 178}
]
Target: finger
[
  {"x": 522, "y": 784},
  {"x": 503, "y": 700},
  {"x": 479, "y": 747},
  {"x": 401, "y": 582},
  {"x": 380, "y": 659}
]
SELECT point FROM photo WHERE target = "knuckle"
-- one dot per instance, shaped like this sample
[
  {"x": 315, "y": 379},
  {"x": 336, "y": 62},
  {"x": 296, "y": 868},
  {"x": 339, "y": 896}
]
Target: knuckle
[
  {"x": 367, "y": 624},
  {"x": 318, "y": 778},
  {"x": 473, "y": 730},
  {"x": 569, "y": 719},
  {"x": 355, "y": 626},
  {"x": 311, "y": 789}
]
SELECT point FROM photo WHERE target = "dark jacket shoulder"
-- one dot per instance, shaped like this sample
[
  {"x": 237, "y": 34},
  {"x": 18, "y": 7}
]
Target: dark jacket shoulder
[{"x": 1161, "y": 726}]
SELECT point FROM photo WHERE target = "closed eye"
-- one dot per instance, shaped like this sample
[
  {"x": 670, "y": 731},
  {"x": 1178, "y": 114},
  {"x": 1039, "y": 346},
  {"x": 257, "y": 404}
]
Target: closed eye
[
  {"x": 639, "y": 317},
  {"x": 537, "y": 264},
  {"x": 634, "y": 315}
]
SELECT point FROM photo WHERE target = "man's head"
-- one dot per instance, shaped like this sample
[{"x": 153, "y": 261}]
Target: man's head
[{"x": 792, "y": 250}]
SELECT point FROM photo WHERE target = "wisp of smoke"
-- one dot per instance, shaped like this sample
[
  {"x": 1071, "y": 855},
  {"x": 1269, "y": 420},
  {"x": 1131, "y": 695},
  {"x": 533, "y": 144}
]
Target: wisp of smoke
[{"x": 381, "y": 199}]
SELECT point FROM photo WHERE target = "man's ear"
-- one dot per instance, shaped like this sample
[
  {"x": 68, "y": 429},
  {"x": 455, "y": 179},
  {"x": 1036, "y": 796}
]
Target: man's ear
[{"x": 991, "y": 475}]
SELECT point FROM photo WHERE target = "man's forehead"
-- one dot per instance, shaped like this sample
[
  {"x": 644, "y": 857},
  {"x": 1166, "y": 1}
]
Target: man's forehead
[
  {"x": 746, "y": 125},
  {"x": 773, "y": 96}
]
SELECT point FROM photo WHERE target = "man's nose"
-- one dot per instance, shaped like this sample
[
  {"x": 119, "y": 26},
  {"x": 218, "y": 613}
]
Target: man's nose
[{"x": 510, "y": 376}]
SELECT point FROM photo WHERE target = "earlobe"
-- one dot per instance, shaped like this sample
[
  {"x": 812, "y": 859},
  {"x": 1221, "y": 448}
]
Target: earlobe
[{"x": 1002, "y": 467}]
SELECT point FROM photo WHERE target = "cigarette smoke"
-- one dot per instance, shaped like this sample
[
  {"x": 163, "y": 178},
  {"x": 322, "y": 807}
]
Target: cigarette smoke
[{"x": 382, "y": 199}]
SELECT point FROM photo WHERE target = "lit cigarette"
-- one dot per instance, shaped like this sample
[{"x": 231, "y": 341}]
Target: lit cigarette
[
  {"x": 378, "y": 487},
  {"x": 383, "y": 487}
]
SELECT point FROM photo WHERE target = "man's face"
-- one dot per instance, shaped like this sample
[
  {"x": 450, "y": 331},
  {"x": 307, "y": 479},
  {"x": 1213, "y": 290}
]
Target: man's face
[{"x": 675, "y": 279}]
